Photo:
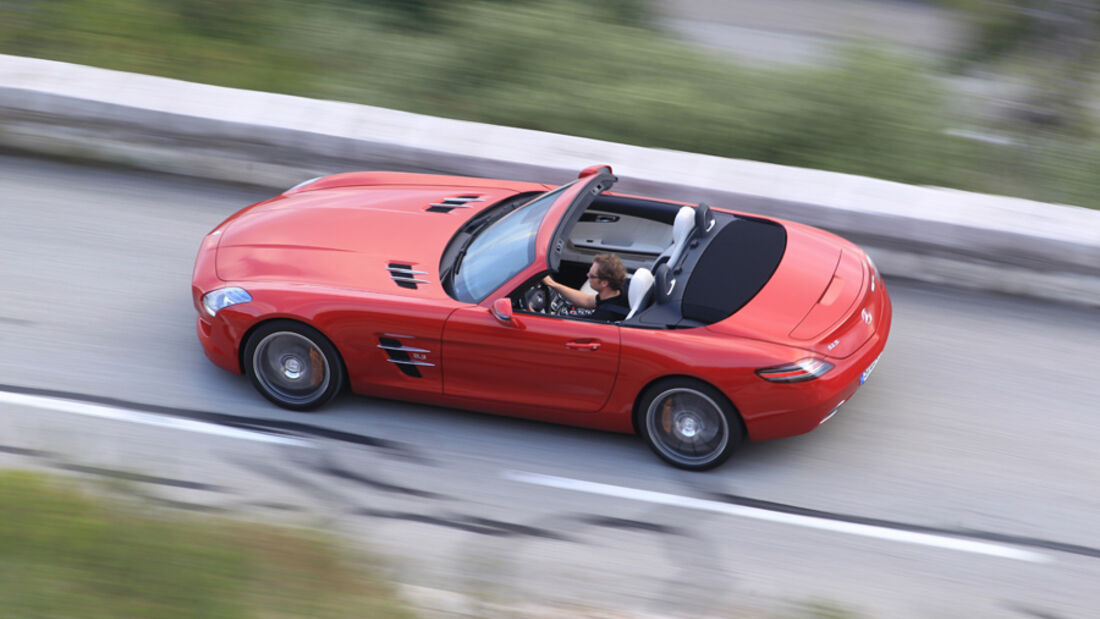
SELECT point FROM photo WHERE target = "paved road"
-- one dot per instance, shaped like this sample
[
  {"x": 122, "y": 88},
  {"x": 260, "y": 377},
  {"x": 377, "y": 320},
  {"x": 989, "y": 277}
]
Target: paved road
[
  {"x": 961, "y": 481},
  {"x": 805, "y": 31}
]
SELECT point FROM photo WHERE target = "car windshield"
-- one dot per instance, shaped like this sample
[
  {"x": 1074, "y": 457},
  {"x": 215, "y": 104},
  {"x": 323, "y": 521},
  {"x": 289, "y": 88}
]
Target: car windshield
[{"x": 501, "y": 250}]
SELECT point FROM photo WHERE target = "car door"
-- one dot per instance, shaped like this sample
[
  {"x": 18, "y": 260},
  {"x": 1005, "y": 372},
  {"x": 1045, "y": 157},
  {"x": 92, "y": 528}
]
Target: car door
[{"x": 529, "y": 360}]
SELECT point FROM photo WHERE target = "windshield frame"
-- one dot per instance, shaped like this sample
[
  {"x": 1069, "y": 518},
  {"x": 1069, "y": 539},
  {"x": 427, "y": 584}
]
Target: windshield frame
[
  {"x": 565, "y": 210},
  {"x": 482, "y": 252}
]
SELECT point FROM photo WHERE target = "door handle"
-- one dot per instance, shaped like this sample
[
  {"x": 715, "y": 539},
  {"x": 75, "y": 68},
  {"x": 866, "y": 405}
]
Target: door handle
[{"x": 585, "y": 346}]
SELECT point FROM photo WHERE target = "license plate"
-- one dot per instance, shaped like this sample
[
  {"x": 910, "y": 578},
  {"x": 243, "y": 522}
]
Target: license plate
[{"x": 867, "y": 372}]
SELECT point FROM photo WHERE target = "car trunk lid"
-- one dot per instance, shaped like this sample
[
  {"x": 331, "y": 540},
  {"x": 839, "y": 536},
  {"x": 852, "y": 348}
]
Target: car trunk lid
[
  {"x": 809, "y": 299},
  {"x": 832, "y": 326}
]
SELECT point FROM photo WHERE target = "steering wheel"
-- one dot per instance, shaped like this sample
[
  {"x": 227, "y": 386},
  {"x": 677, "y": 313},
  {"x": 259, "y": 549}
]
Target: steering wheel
[
  {"x": 543, "y": 299},
  {"x": 537, "y": 298}
]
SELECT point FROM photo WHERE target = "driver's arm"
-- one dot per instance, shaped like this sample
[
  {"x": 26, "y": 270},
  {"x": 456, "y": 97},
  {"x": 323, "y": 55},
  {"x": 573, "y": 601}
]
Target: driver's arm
[{"x": 574, "y": 296}]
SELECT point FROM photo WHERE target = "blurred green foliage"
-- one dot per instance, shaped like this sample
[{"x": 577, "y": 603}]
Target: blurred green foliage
[
  {"x": 1052, "y": 47},
  {"x": 595, "y": 69},
  {"x": 1004, "y": 27},
  {"x": 64, "y": 553},
  {"x": 1000, "y": 26}
]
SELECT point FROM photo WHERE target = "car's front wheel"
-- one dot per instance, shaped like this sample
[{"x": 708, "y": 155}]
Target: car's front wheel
[
  {"x": 293, "y": 365},
  {"x": 688, "y": 423}
]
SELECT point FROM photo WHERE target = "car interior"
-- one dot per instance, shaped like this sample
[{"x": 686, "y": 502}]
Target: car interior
[
  {"x": 655, "y": 240},
  {"x": 687, "y": 266}
]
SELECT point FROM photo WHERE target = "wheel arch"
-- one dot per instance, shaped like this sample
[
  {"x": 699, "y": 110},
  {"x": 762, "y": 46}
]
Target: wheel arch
[
  {"x": 636, "y": 407},
  {"x": 243, "y": 344}
]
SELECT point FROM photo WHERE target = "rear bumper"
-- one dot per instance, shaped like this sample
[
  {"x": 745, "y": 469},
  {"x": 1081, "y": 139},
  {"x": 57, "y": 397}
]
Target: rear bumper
[{"x": 805, "y": 406}]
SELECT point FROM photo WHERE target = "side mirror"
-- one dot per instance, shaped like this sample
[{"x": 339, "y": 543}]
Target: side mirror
[{"x": 502, "y": 310}]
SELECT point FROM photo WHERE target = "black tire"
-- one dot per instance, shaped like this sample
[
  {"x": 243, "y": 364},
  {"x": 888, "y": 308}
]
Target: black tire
[
  {"x": 688, "y": 423},
  {"x": 293, "y": 365}
]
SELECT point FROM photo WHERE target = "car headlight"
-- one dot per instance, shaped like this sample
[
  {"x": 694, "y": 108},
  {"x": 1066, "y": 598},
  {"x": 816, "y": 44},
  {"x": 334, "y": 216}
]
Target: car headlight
[
  {"x": 224, "y": 297},
  {"x": 801, "y": 370}
]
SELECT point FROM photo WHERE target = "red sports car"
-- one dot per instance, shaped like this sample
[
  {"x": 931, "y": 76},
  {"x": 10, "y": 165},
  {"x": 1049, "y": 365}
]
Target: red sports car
[{"x": 431, "y": 288}]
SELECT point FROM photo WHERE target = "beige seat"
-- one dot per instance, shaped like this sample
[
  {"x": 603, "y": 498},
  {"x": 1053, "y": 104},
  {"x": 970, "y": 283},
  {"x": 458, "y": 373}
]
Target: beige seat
[
  {"x": 682, "y": 228},
  {"x": 640, "y": 291}
]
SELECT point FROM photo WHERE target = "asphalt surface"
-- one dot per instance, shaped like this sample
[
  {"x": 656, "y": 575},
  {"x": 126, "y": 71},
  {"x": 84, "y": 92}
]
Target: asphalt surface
[
  {"x": 961, "y": 481},
  {"x": 808, "y": 31}
]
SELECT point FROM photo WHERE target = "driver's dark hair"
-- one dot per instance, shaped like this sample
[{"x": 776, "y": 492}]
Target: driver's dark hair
[{"x": 611, "y": 269}]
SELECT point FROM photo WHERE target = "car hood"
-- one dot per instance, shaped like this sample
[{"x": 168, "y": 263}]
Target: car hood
[{"x": 351, "y": 237}]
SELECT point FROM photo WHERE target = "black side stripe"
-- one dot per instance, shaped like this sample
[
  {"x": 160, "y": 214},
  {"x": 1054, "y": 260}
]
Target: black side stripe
[{"x": 399, "y": 355}]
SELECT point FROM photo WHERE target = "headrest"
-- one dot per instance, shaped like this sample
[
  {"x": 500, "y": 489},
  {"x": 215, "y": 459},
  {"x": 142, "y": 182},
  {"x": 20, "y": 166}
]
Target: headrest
[
  {"x": 641, "y": 286},
  {"x": 704, "y": 220},
  {"x": 663, "y": 283}
]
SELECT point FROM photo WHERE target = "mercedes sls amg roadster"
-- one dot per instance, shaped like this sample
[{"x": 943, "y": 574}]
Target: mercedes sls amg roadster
[{"x": 431, "y": 289}]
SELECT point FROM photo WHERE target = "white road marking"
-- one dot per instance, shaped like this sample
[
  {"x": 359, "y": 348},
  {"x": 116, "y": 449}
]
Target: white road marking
[
  {"x": 825, "y": 524},
  {"x": 119, "y": 414}
]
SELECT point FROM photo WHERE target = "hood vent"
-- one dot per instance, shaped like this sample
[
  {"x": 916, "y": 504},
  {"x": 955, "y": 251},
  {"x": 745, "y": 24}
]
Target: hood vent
[
  {"x": 449, "y": 204},
  {"x": 405, "y": 276}
]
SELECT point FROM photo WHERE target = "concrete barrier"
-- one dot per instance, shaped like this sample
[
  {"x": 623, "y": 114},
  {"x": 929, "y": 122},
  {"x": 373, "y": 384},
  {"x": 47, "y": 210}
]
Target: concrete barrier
[{"x": 931, "y": 234}]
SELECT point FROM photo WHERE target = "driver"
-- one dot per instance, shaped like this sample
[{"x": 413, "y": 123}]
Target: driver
[{"x": 607, "y": 277}]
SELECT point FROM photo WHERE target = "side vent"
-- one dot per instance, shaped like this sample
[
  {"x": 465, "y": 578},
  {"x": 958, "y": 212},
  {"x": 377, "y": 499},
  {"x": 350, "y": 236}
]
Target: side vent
[
  {"x": 405, "y": 276},
  {"x": 449, "y": 204},
  {"x": 408, "y": 359}
]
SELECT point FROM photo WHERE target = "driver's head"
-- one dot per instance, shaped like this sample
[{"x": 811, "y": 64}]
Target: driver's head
[{"x": 609, "y": 269}]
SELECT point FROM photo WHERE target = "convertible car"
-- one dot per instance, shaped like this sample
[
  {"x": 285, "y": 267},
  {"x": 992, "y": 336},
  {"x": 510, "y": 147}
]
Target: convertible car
[{"x": 430, "y": 288}]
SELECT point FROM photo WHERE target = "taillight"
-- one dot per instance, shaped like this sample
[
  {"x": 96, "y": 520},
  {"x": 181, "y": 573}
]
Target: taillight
[{"x": 801, "y": 370}]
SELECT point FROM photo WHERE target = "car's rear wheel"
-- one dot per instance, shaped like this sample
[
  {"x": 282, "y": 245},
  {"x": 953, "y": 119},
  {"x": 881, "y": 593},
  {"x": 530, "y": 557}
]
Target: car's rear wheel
[
  {"x": 689, "y": 424},
  {"x": 293, "y": 365}
]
